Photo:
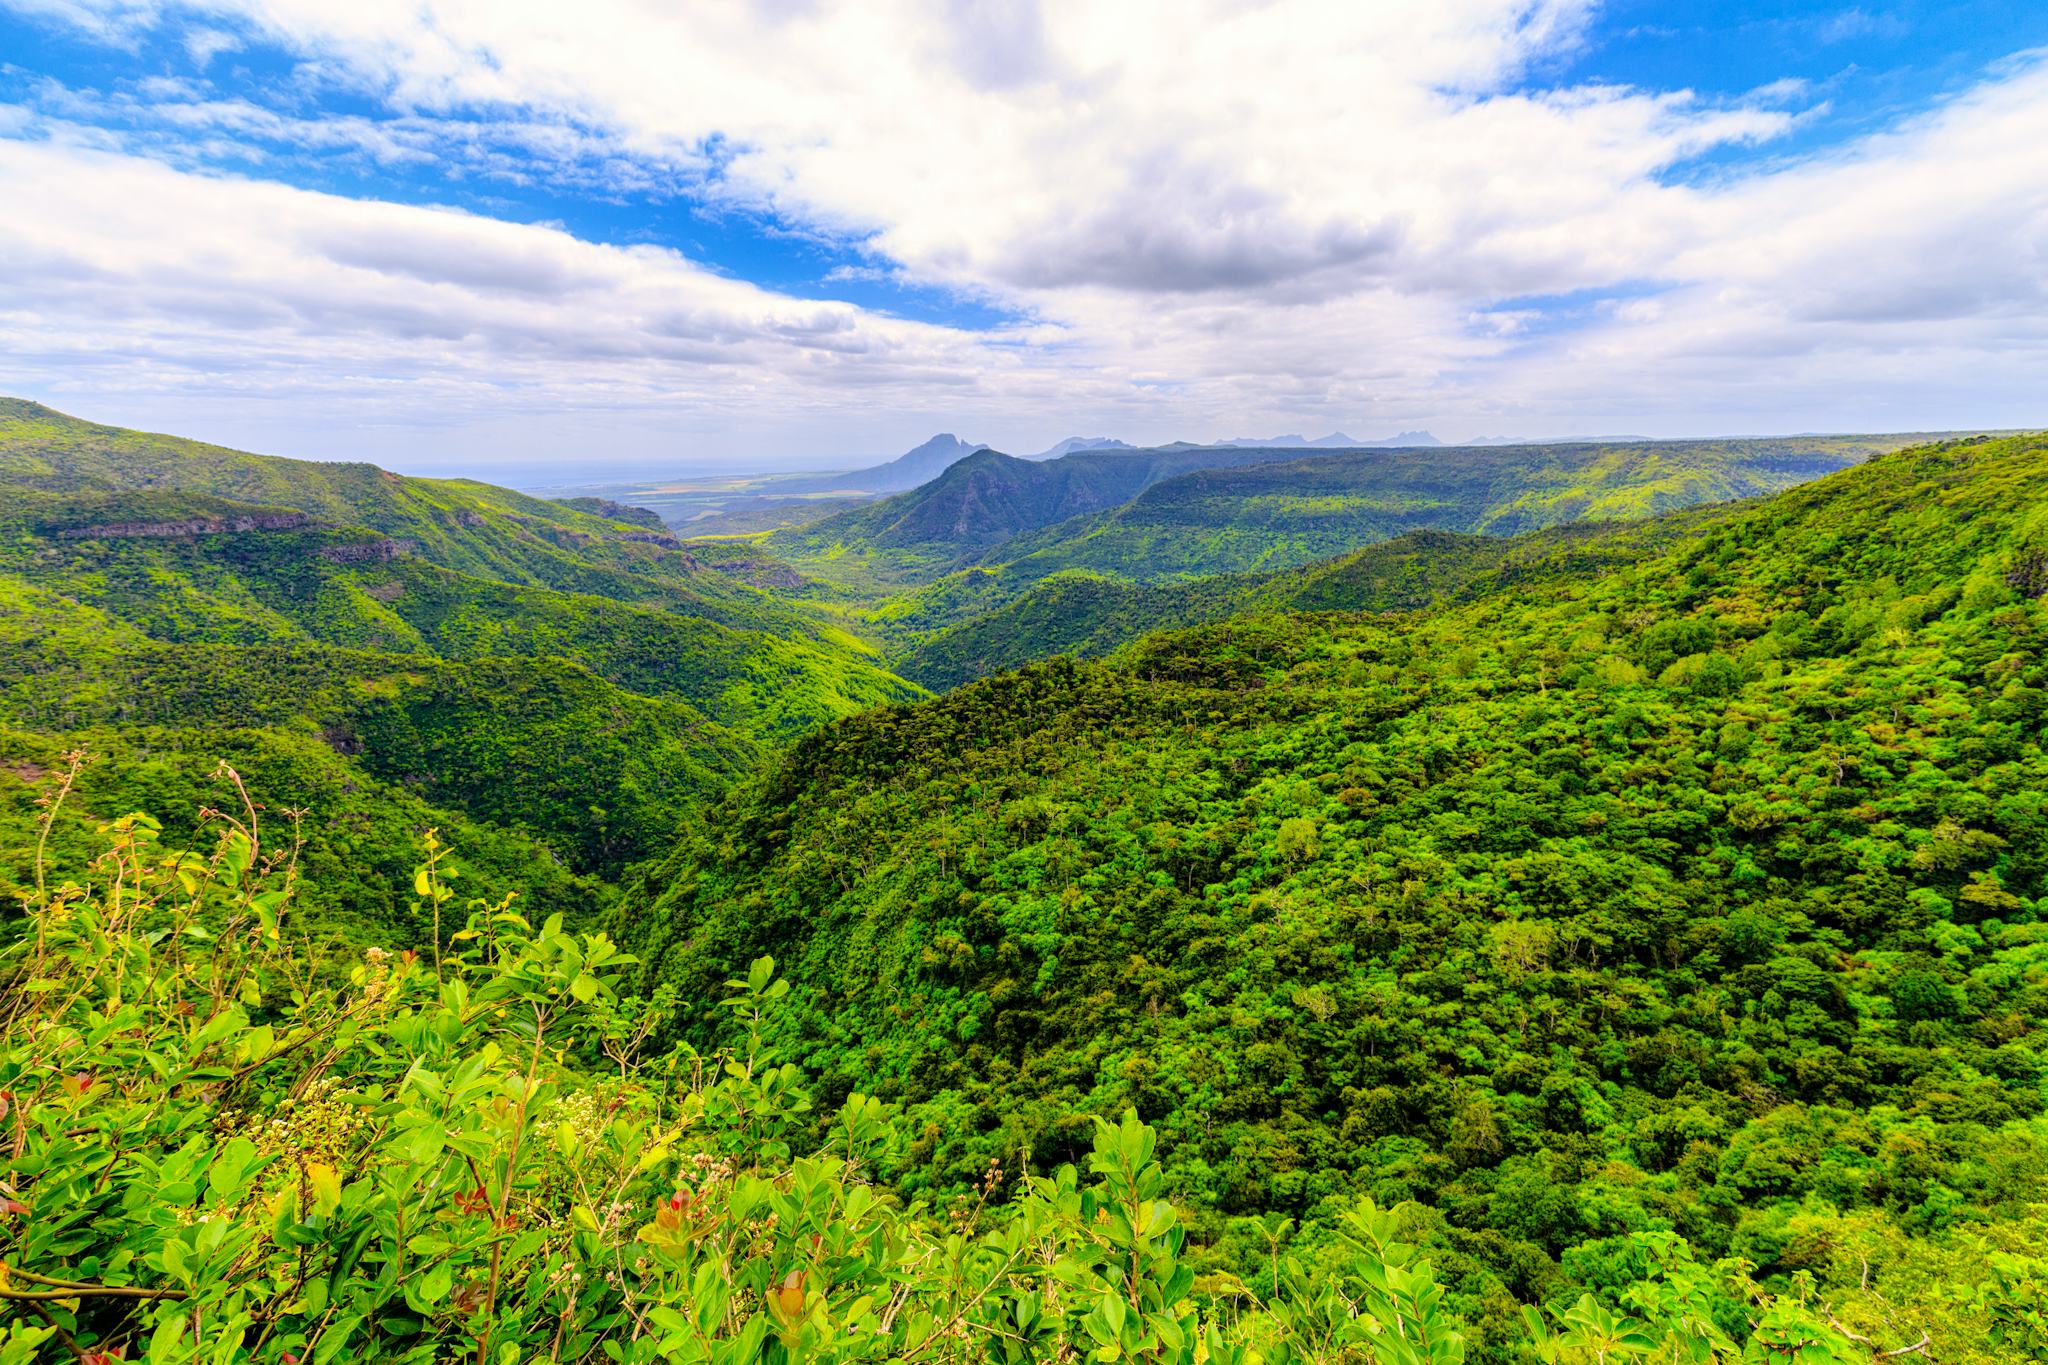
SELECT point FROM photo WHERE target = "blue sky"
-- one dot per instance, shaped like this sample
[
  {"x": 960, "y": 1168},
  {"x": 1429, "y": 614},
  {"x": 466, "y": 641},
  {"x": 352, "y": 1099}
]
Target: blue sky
[
  {"x": 1871, "y": 64},
  {"x": 750, "y": 245},
  {"x": 793, "y": 234}
]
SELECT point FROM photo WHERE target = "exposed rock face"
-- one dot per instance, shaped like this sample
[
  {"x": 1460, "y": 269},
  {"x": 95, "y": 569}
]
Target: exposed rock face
[
  {"x": 366, "y": 551},
  {"x": 617, "y": 511},
  {"x": 2029, "y": 574},
  {"x": 198, "y": 526},
  {"x": 761, "y": 573},
  {"x": 341, "y": 739},
  {"x": 564, "y": 535}
]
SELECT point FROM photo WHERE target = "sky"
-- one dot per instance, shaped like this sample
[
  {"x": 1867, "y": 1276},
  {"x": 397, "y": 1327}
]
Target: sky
[{"x": 528, "y": 239}]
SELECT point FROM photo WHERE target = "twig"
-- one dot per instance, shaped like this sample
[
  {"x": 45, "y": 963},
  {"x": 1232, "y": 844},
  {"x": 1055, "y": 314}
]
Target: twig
[
  {"x": 83, "y": 1291},
  {"x": 70, "y": 1342}
]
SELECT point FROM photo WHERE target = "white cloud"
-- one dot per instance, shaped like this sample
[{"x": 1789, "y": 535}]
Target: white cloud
[
  {"x": 204, "y": 44},
  {"x": 243, "y": 289},
  {"x": 1219, "y": 215}
]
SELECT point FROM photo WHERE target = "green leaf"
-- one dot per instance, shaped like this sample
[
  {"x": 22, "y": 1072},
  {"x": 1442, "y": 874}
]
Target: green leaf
[
  {"x": 1168, "y": 1330},
  {"x": 230, "y": 1170},
  {"x": 435, "y": 1284},
  {"x": 326, "y": 1185}
]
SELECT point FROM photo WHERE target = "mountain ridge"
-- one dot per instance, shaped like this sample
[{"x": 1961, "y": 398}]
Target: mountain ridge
[
  {"x": 1074, "y": 444},
  {"x": 547, "y": 680},
  {"x": 989, "y": 497},
  {"x": 1190, "y": 511},
  {"x": 920, "y": 464}
]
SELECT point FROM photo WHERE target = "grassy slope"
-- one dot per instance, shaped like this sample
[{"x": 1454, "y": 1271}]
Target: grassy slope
[{"x": 1699, "y": 892}]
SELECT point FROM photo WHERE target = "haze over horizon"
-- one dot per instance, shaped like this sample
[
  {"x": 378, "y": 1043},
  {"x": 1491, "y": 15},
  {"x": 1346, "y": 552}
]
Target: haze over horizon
[{"x": 517, "y": 243}]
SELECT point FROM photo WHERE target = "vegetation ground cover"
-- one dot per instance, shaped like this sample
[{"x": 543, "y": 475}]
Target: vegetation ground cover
[{"x": 1617, "y": 941}]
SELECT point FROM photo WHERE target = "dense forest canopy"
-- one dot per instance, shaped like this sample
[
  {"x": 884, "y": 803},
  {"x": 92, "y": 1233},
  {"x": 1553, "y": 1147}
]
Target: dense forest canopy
[
  {"x": 1695, "y": 893},
  {"x": 1184, "y": 512},
  {"x": 1329, "y": 930}
]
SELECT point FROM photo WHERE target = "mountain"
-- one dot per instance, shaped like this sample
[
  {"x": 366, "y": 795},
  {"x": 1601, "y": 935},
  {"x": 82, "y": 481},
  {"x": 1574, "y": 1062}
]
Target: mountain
[
  {"x": 1294, "y": 442},
  {"x": 460, "y": 524},
  {"x": 1181, "y": 512},
  {"x": 1400, "y": 439},
  {"x": 1282, "y": 513},
  {"x": 552, "y": 682},
  {"x": 918, "y": 465},
  {"x": 1075, "y": 444},
  {"x": 1694, "y": 891},
  {"x": 644, "y": 517},
  {"x": 979, "y": 503},
  {"x": 1337, "y": 440},
  {"x": 982, "y": 500}
]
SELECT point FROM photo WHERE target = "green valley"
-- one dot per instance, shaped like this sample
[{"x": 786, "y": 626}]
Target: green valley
[
  {"x": 1184, "y": 512},
  {"x": 1596, "y": 877},
  {"x": 1000, "y": 560},
  {"x": 552, "y": 681},
  {"x": 996, "y": 625},
  {"x": 985, "y": 682},
  {"x": 1691, "y": 888}
]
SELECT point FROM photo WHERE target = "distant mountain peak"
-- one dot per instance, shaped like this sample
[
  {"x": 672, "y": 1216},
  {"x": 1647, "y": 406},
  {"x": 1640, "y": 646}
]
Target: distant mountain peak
[
  {"x": 920, "y": 464},
  {"x": 1287, "y": 442},
  {"x": 1075, "y": 444},
  {"x": 1336, "y": 440}
]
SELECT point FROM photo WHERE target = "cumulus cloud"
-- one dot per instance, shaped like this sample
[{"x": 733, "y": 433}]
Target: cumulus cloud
[
  {"x": 245, "y": 289},
  {"x": 1212, "y": 215}
]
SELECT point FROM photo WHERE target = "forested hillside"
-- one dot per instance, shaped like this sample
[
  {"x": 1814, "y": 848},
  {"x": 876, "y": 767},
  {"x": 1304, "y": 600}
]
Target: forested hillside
[
  {"x": 981, "y": 502},
  {"x": 1184, "y": 512},
  {"x": 474, "y": 528},
  {"x": 1286, "y": 534},
  {"x": 255, "y": 1159},
  {"x": 190, "y": 569},
  {"x": 1633, "y": 917},
  {"x": 1277, "y": 515},
  {"x": 1085, "y": 613},
  {"x": 1696, "y": 893},
  {"x": 550, "y": 683}
]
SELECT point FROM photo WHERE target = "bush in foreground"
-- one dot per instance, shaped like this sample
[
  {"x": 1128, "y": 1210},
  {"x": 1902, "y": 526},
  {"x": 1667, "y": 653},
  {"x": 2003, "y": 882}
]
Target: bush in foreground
[{"x": 213, "y": 1149}]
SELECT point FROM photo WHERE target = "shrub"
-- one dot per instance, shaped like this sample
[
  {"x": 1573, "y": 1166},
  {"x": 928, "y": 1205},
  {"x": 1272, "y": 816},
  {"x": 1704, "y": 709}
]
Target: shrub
[{"x": 215, "y": 1149}]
